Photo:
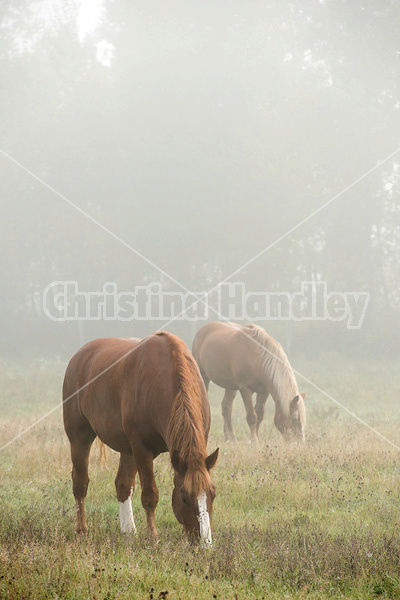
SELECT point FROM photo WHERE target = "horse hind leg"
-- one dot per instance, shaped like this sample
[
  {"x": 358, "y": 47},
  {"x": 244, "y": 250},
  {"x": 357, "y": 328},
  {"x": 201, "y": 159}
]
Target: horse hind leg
[
  {"x": 227, "y": 403},
  {"x": 80, "y": 450},
  {"x": 125, "y": 486}
]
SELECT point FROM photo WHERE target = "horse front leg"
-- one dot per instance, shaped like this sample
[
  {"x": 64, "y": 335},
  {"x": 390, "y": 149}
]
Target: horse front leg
[
  {"x": 125, "y": 486},
  {"x": 251, "y": 416},
  {"x": 149, "y": 497},
  {"x": 227, "y": 404},
  {"x": 260, "y": 409}
]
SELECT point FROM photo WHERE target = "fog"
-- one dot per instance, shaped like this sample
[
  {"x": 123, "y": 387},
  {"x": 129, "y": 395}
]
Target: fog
[{"x": 189, "y": 143}]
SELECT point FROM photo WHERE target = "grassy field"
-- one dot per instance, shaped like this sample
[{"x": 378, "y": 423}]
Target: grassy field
[{"x": 319, "y": 520}]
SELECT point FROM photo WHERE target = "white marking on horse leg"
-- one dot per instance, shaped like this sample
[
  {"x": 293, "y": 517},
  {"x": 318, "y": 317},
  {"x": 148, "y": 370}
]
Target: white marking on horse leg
[
  {"x": 204, "y": 520},
  {"x": 126, "y": 515}
]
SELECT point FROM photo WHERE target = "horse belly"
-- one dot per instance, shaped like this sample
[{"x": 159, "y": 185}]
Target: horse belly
[
  {"x": 116, "y": 441},
  {"x": 245, "y": 373}
]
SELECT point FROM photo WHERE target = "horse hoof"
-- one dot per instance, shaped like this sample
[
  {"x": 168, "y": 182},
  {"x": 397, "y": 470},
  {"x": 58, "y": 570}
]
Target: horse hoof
[
  {"x": 152, "y": 536},
  {"x": 81, "y": 531}
]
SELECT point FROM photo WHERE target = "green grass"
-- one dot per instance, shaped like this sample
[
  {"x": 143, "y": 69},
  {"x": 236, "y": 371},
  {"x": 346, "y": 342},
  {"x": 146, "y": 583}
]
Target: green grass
[{"x": 319, "y": 520}]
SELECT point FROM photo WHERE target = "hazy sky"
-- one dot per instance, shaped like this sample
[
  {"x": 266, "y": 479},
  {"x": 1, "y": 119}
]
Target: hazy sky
[{"x": 201, "y": 135}]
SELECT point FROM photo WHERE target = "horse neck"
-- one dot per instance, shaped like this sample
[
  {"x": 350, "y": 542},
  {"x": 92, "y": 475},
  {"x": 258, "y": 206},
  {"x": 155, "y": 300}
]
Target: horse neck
[
  {"x": 186, "y": 430},
  {"x": 280, "y": 382},
  {"x": 187, "y": 437}
]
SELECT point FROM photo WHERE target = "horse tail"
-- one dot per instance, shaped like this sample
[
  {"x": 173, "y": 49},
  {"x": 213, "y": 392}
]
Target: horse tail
[{"x": 103, "y": 454}]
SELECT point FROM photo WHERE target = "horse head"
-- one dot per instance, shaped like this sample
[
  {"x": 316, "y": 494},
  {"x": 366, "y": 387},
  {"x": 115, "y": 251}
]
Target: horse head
[
  {"x": 293, "y": 425},
  {"x": 297, "y": 418},
  {"x": 193, "y": 496}
]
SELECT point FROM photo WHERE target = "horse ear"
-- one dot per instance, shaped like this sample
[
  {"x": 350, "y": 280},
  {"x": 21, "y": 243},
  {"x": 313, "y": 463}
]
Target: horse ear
[
  {"x": 303, "y": 395},
  {"x": 212, "y": 459},
  {"x": 178, "y": 464},
  {"x": 293, "y": 403}
]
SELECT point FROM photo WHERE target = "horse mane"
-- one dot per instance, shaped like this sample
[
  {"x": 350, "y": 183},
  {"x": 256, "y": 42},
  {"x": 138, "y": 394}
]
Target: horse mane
[
  {"x": 276, "y": 366},
  {"x": 185, "y": 430}
]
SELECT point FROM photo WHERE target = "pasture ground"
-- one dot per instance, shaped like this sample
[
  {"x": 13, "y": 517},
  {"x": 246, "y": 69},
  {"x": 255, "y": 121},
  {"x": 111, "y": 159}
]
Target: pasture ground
[{"x": 319, "y": 520}]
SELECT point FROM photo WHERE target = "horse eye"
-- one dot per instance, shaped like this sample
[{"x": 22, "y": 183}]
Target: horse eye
[{"x": 184, "y": 500}]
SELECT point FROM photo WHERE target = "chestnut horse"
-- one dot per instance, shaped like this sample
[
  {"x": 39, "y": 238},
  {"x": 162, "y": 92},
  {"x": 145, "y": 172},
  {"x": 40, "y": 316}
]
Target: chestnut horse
[
  {"x": 246, "y": 358},
  {"x": 141, "y": 398}
]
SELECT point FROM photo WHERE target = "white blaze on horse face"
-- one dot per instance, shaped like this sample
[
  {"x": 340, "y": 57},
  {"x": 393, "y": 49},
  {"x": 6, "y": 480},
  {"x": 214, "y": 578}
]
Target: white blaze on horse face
[
  {"x": 204, "y": 520},
  {"x": 126, "y": 515}
]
